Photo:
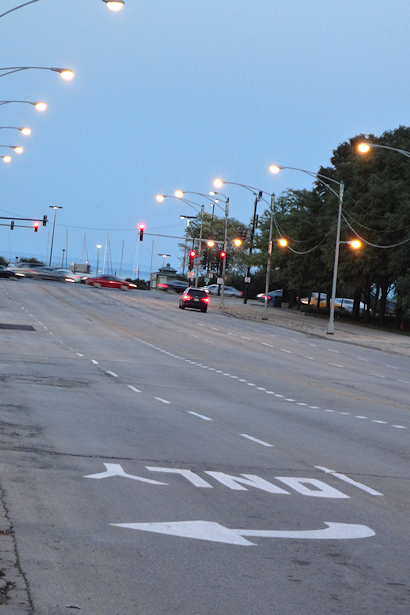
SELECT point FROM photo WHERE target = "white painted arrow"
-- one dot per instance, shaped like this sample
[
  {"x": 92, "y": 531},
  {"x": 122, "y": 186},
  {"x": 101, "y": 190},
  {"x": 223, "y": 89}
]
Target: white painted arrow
[{"x": 214, "y": 532}]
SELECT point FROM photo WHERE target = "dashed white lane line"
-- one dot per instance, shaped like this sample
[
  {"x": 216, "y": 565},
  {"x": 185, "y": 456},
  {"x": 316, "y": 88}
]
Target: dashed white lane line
[
  {"x": 79, "y": 354},
  {"x": 201, "y": 416},
  {"x": 361, "y": 417},
  {"x": 270, "y": 345},
  {"x": 112, "y": 374},
  {"x": 245, "y": 338},
  {"x": 377, "y": 375},
  {"x": 380, "y": 422},
  {"x": 133, "y": 388},
  {"x": 335, "y": 364},
  {"x": 399, "y": 426},
  {"x": 244, "y": 435},
  {"x": 331, "y": 350},
  {"x": 311, "y": 358},
  {"x": 405, "y": 381},
  {"x": 164, "y": 401},
  {"x": 288, "y": 351},
  {"x": 94, "y": 361}
]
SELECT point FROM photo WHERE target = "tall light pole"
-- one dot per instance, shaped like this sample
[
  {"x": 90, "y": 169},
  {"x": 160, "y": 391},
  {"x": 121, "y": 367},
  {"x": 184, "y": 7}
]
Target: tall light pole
[
  {"x": 187, "y": 218},
  {"x": 164, "y": 256},
  {"x": 55, "y": 207},
  {"x": 272, "y": 213},
  {"x": 323, "y": 179}
]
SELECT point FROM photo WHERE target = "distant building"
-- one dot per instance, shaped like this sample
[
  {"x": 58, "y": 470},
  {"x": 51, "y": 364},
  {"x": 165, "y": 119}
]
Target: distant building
[{"x": 163, "y": 275}]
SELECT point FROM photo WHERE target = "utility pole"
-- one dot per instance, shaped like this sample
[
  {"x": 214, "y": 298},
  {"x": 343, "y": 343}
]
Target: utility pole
[{"x": 248, "y": 273}]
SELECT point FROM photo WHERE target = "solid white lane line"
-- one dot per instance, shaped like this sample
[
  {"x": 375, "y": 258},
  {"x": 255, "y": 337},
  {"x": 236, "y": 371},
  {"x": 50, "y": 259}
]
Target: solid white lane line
[
  {"x": 201, "y": 416},
  {"x": 112, "y": 374},
  {"x": 164, "y": 401},
  {"x": 133, "y": 388},
  {"x": 244, "y": 435}
]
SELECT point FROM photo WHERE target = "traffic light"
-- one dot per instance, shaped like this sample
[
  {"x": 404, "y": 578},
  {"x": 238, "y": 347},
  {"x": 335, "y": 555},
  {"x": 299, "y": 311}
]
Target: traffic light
[
  {"x": 44, "y": 220},
  {"x": 12, "y": 225},
  {"x": 227, "y": 258},
  {"x": 192, "y": 255},
  {"x": 222, "y": 255},
  {"x": 36, "y": 225},
  {"x": 141, "y": 228}
]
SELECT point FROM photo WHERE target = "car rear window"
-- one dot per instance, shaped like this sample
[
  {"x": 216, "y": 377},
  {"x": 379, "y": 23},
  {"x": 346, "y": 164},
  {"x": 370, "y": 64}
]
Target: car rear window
[{"x": 195, "y": 292}]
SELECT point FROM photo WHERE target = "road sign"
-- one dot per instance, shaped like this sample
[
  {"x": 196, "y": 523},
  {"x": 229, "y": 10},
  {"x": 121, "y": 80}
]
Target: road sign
[{"x": 247, "y": 280}]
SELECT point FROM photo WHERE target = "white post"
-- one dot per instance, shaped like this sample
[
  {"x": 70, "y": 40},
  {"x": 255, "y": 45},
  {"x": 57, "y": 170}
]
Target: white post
[{"x": 331, "y": 325}]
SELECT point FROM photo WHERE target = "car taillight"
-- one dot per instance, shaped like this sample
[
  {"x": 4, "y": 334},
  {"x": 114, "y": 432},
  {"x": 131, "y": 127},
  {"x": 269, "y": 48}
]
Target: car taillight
[
  {"x": 187, "y": 297},
  {"x": 206, "y": 299}
]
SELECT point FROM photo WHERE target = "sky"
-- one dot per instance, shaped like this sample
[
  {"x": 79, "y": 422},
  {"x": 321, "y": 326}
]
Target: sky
[{"x": 169, "y": 95}]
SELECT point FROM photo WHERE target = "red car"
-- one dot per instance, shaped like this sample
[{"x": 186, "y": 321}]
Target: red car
[{"x": 109, "y": 281}]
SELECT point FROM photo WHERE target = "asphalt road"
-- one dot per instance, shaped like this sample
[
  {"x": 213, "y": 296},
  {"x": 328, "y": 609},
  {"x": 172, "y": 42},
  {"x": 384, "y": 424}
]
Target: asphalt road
[{"x": 164, "y": 461}]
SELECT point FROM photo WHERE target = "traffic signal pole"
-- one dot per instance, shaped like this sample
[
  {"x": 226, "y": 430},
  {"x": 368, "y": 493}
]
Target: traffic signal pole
[{"x": 222, "y": 304}]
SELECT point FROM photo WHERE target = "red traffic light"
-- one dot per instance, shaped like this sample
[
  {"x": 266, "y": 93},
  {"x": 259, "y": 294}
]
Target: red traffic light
[
  {"x": 192, "y": 254},
  {"x": 222, "y": 254},
  {"x": 36, "y": 225},
  {"x": 141, "y": 228}
]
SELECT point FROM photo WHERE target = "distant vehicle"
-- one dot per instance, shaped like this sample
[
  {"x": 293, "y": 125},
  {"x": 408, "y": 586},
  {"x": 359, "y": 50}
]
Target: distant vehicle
[
  {"x": 24, "y": 270},
  {"x": 174, "y": 286},
  {"x": 195, "y": 298},
  {"x": 341, "y": 303},
  {"x": 5, "y": 272},
  {"x": 229, "y": 291},
  {"x": 271, "y": 294},
  {"x": 109, "y": 281},
  {"x": 58, "y": 275}
]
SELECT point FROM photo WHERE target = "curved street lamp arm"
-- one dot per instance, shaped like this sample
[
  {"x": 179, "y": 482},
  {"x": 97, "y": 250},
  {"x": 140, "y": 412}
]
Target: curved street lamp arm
[
  {"x": 393, "y": 149},
  {"x": 18, "y": 7}
]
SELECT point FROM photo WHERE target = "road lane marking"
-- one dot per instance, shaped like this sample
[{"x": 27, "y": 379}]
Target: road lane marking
[
  {"x": 335, "y": 364},
  {"x": 79, "y": 354},
  {"x": 380, "y": 422},
  {"x": 115, "y": 469},
  {"x": 399, "y": 426},
  {"x": 164, "y": 401},
  {"x": 288, "y": 351},
  {"x": 112, "y": 374},
  {"x": 349, "y": 480},
  {"x": 214, "y": 532},
  {"x": 133, "y": 388},
  {"x": 244, "y": 435},
  {"x": 245, "y": 338},
  {"x": 94, "y": 361},
  {"x": 360, "y": 417},
  {"x": 201, "y": 416},
  {"x": 270, "y": 345}
]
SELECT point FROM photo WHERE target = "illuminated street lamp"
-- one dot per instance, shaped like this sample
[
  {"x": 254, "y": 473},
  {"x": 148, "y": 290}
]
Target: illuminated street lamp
[
  {"x": 365, "y": 147},
  {"x": 17, "y": 148},
  {"x": 6, "y": 158},
  {"x": 323, "y": 179},
  {"x": 24, "y": 131},
  {"x": 40, "y": 106},
  {"x": 66, "y": 73},
  {"x": 114, "y": 5}
]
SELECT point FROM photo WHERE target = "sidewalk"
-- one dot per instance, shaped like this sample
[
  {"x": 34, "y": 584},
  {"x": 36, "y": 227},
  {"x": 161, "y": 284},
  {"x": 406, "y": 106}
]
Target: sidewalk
[{"x": 395, "y": 343}]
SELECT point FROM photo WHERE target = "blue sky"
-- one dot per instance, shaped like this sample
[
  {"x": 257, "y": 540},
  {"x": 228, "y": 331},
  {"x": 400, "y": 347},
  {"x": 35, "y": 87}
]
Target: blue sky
[{"x": 169, "y": 95}]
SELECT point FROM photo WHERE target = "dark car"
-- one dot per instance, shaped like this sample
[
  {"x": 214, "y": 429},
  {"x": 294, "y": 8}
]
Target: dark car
[
  {"x": 194, "y": 298},
  {"x": 5, "y": 272},
  {"x": 109, "y": 281},
  {"x": 174, "y": 286}
]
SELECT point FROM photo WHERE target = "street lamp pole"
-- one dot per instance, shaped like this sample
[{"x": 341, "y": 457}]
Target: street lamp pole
[
  {"x": 222, "y": 304},
  {"x": 98, "y": 255},
  {"x": 200, "y": 247},
  {"x": 272, "y": 211},
  {"x": 55, "y": 207},
  {"x": 331, "y": 325},
  {"x": 248, "y": 273}
]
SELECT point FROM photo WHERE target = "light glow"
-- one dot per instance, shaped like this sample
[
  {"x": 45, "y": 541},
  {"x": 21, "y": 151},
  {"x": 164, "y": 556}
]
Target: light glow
[
  {"x": 274, "y": 168},
  {"x": 40, "y": 106},
  {"x": 356, "y": 244},
  {"x": 160, "y": 197},
  {"x": 237, "y": 242},
  {"x": 179, "y": 194},
  {"x": 218, "y": 183},
  {"x": 283, "y": 242},
  {"x": 6, "y": 158},
  {"x": 67, "y": 74},
  {"x": 363, "y": 148},
  {"x": 114, "y": 5},
  {"x": 210, "y": 243},
  {"x": 18, "y": 149},
  {"x": 26, "y": 131}
]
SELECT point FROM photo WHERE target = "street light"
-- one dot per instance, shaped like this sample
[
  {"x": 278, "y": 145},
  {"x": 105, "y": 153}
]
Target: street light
[
  {"x": 40, "y": 106},
  {"x": 114, "y": 5},
  {"x": 364, "y": 147},
  {"x": 276, "y": 169},
  {"x": 55, "y": 207},
  {"x": 17, "y": 148},
  {"x": 6, "y": 158},
  {"x": 164, "y": 256},
  {"x": 66, "y": 73},
  {"x": 187, "y": 218},
  {"x": 24, "y": 131}
]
